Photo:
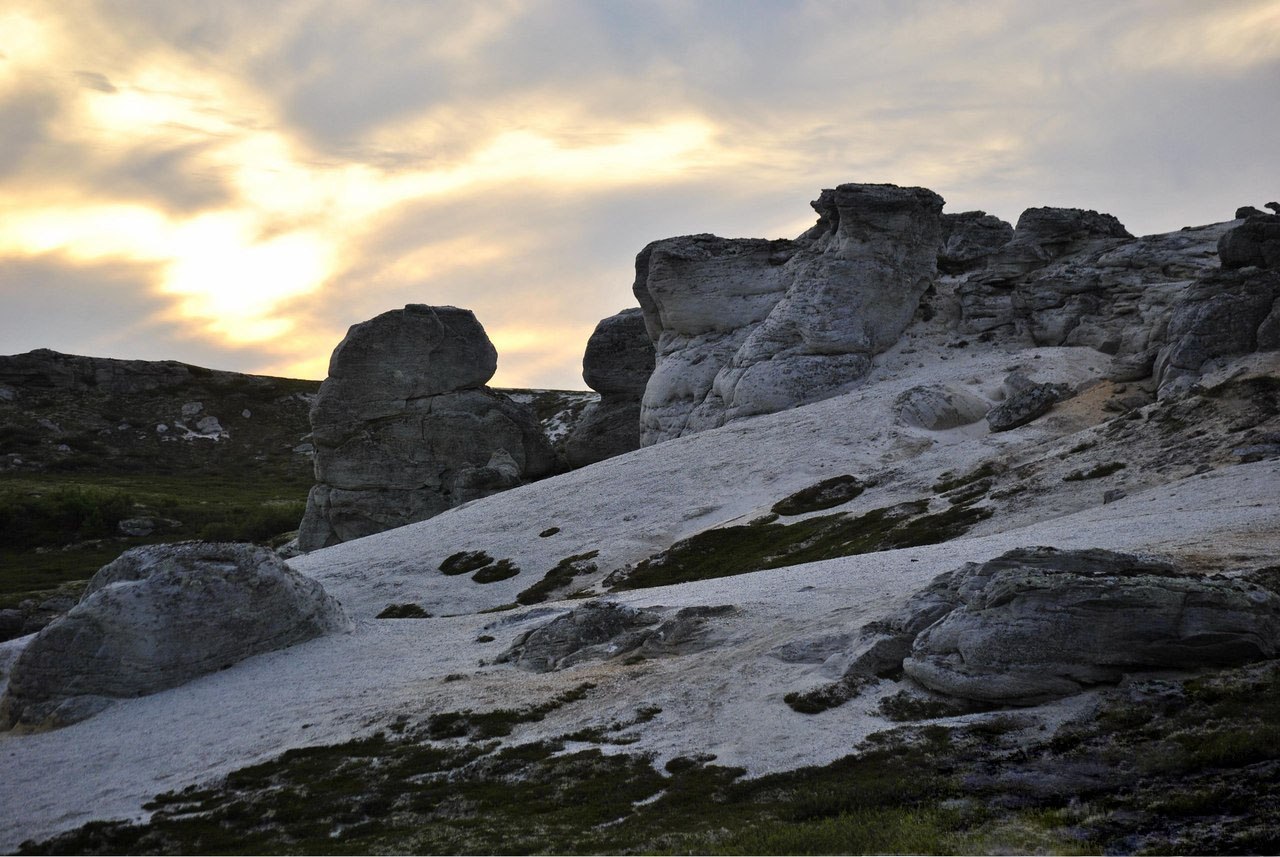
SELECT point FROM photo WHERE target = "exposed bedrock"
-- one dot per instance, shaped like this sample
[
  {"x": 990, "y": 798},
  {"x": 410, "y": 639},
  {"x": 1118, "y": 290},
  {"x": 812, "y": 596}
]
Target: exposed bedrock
[
  {"x": 968, "y": 238},
  {"x": 1077, "y": 278},
  {"x": 1256, "y": 243},
  {"x": 602, "y": 630},
  {"x": 159, "y": 616},
  {"x": 1224, "y": 314},
  {"x": 748, "y": 326},
  {"x": 405, "y": 429},
  {"x": 617, "y": 364},
  {"x": 1038, "y": 623}
]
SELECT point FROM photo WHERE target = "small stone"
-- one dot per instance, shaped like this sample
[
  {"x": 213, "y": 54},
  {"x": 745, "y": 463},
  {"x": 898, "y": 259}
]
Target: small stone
[
  {"x": 190, "y": 409},
  {"x": 1113, "y": 495}
]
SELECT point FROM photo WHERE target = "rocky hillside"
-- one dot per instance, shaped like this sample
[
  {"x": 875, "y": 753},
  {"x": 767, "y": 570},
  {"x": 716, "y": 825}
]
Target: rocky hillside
[{"x": 1010, "y": 586}]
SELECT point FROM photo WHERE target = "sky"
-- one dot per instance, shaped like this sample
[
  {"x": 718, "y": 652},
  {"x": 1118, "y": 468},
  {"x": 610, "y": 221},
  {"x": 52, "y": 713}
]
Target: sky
[{"x": 233, "y": 183}]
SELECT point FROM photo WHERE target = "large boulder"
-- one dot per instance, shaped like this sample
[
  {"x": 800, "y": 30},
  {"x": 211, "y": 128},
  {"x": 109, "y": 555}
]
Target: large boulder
[
  {"x": 617, "y": 364},
  {"x": 744, "y": 327},
  {"x": 405, "y": 429},
  {"x": 1038, "y": 623},
  {"x": 157, "y": 617}
]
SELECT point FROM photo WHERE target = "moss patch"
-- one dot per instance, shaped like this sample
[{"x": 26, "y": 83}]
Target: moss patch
[
  {"x": 404, "y": 611},
  {"x": 503, "y": 569},
  {"x": 1094, "y": 473},
  {"x": 559, "y": 577},
  {"x": 734, "y": 550},
  {"x": 825, "y": 495},
  {"x": 464, "y": 562}
]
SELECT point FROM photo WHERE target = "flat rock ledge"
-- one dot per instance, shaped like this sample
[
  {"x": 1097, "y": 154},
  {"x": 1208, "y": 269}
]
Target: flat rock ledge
[{"x": 157, "y": 617}]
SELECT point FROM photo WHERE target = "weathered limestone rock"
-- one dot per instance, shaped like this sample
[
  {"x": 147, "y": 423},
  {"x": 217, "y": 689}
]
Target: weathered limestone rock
[
  {"x": 938, "y": 407},
  {"x": 601, "y": 630},
  {"x": 405, "y": 429},
  {"x": 1038, "y": 623},
  {"x": 617, "y": 364},
  {"x": 745, "y": 327},
  {"x": 1072, "y": 277},
  {"x": 1025, "y": 401},
  {"x": 1224, "y": 314},
  {"x": 968, "y": 238},
  {"x": 1255, "y": 243},
  {"x": 160, "y": 616}
]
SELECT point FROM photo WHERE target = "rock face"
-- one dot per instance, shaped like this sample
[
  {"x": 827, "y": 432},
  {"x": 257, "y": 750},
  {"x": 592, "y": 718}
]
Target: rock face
[
  {"x": 160, "y": 616},
  {"x": 1025, "y": 401},
  {"x": 617, "y": 364},
  {"x": 1038, "y": 623},
  {"x": 1254, "y": 243},
  {"x": 405, "y": 429},
  {"x": 602, "y": 630},
  {"x": 968, "y": 238},
  {"x": 1224, "y": 314},
  {"x": 745, "y": 327},
  {"x": 1077, "y": 278}
]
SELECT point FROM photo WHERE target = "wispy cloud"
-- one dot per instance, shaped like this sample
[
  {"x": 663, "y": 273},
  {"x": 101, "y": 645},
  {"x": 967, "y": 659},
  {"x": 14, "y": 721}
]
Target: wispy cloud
[{"x": 256, "y": 177}]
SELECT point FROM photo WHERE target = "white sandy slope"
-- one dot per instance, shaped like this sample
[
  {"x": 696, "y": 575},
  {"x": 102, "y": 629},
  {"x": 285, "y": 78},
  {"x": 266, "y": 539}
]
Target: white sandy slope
[{"x": 727, "y": 700}]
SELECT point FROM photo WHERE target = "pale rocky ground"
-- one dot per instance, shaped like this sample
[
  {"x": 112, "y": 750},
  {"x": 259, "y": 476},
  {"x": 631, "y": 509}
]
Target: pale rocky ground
[{"x": 726, "y": 700}]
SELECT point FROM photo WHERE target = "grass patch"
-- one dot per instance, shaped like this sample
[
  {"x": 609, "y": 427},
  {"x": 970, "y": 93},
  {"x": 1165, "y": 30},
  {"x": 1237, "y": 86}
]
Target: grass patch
[
  {"x": 480, "y": 726},
  {"x": 503, "y": 569},
  {"x": 949, "y": 481},
  {"x": 559, "y": 577},
  {"x": 726, "y": 551},
  {"x": 825, "y": 495},
  {"x": 464, "y": 562},
  {"x": 59, "y": 527},
  {"x": 403, "y": 611},
  {"x": 1094, "y": 473}
]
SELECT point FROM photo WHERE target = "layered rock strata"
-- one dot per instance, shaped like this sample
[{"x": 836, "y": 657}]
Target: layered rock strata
[
  {"x": 747, "y": 326},
  {"x": 159, "y": 616},
  {"x": 617, "y": 364},
  {"x": 404, "y": 427}
]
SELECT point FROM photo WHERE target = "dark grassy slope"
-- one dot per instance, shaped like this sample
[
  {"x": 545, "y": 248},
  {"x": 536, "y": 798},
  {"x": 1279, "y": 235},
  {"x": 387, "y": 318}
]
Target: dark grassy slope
[{"x": 1197, "y": 773}]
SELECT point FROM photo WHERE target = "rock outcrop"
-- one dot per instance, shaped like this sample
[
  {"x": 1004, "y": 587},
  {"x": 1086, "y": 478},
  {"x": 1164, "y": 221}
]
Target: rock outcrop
[
  {"x": 1255, "y": 243},
  {"x": 968, "y": 238},
  {"x": 745, "y": 327},
  {"x": 617, "y": 364},
  {"x": 1038, "y": 623},
  {"x": 1077, "y": 278},
  {"x": 405, "y": 429},
  {"x": 601, "y": 630},
  {"x": 157, "y": 617},
  {"x": 937, "y": 407}
]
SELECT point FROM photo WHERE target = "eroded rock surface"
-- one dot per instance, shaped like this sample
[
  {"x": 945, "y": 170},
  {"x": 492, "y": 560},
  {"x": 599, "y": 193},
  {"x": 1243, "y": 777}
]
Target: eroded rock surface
[
  {"x": 603, "y": 630},
  {"x": 617, "y": 364},
  {"x": 1038, "y": 623},
  {"x": 159, "y": 616},
  {"x": 745, "y": 327},
  {"x": 937, "y": 407},
  {"x": 405, "y": 429},
  {"x": 968, "y": 238}
]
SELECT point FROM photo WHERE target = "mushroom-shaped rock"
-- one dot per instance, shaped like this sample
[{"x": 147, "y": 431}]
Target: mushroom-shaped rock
[
  {"x": 159, "y": 616},
  {"x": 405, "y": 429},
  {"x": 617, "y": 364}
]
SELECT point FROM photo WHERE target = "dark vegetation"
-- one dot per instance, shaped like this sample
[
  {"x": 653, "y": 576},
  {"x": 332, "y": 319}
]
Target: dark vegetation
[
  {"x": 74, "y": 463},
  {"x": 1094, "y": 472},
  {"x": 464, "y": 562},
  {"x": 559, "y": 577},
  {"x": 503, "y": 569},
  {"x": 403, "y": 611},
  {"x": 57, "y": 527},
  {"x": 826, "y": 494},
  {"x": 1161, "y": 767},
  {"x": 733, "y": 550}
]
